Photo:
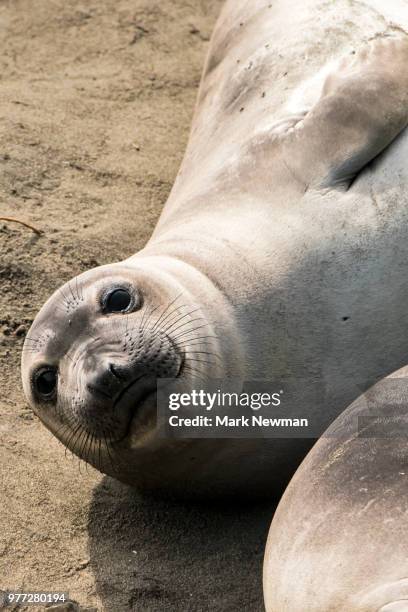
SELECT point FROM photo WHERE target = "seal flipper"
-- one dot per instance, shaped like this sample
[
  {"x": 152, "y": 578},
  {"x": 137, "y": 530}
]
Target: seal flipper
[{"x": 362, "y": 109}]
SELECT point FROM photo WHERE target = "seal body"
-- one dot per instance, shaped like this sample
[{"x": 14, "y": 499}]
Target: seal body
[
  {"x": 286, "y": 236},
  {"x": 338, "y": 540}
]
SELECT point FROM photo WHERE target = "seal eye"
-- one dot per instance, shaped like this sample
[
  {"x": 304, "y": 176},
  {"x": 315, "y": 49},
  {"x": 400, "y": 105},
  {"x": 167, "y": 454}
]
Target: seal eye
[
  {"x": 118, "y": 301},
  {"x": 46, "y": 382}
]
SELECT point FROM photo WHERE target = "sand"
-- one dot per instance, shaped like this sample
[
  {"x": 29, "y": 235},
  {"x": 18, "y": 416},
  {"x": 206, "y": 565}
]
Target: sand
[{"x": 96, "y": 103}]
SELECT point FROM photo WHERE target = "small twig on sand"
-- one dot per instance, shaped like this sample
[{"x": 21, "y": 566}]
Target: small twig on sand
[{"x": 12, "y": 220}]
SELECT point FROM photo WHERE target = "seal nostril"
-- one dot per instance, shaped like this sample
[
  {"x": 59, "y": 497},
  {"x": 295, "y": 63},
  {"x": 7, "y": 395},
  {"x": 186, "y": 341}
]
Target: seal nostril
[{"x": 115, "y": 371}]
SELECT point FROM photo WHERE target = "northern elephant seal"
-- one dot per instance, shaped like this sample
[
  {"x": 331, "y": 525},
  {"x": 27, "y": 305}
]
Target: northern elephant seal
[
  {"x": 280, "y": 237},
  {"x": 339, "y": 540}
]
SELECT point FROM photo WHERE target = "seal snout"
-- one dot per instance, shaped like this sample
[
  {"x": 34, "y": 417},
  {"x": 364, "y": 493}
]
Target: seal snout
[
  {"x": 117, "y": 381},
  {"x": 111, "y": 382},
  {"x": 109, "y": 379}
]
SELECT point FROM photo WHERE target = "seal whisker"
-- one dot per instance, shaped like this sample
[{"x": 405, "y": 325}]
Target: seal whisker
[
  {"x": 65, "y": 300},
  {"x": 180, "y": 318},
  {"x": 99, "y": 454},
  {"x": 188, "y": 331},
  {"x": 192, "y": 329},
  {"x": 61, "y": 428},
  {"x": 86, "y": 450},
  {"x": 168, "y": 316},
  {"x": 74, "y": 442},
  {"x": 200, "y": 347},
  {"x": 92, "y": 449},
  {"x": 108, "y": 451},
  {"x": 160, "y": 319},
  {"x": 81, "y": 439},
  {"x": 31, "y": 344},
  {"x": 188, "y": 353},
  {"x": 69, "y": 440},
  {"x": 196, "y": 341},
  {"x": 72, "y": 293},
  {"x": 143, "y": 316},
  {"x": 197, "y": 374},
  {"x": 187, "y": 365},
  {"x": 29, "y": 339},
  {"x": 182, "y": 314},
  {"x": 79, "y": 464},
  {"x": 79, "y": 297},
  {"x": 60, "y": 432},
  {"x": 186, "y": 348},
  {"x": 151, "y": 312},
  {"x": 185, "y": 323},
  {"x": 158, "y": 324},
  {"x": 90, "y": 454},
  {"x": 195, "y": 360}
]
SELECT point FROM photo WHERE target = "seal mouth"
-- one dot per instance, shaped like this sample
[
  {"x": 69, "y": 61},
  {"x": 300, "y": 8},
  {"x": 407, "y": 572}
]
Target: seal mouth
[
  {"x": 147, "y": 392},
  {"x": 127, "y": 388}
]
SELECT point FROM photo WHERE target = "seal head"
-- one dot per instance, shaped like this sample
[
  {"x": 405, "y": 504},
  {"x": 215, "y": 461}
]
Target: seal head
[{"x": 96, "y": 349}]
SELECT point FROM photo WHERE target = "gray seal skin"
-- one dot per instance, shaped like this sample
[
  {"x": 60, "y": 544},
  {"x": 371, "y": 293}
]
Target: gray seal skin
[
  {"x": 338, "y": 541},
  {"x": 280, "y": 254}
]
